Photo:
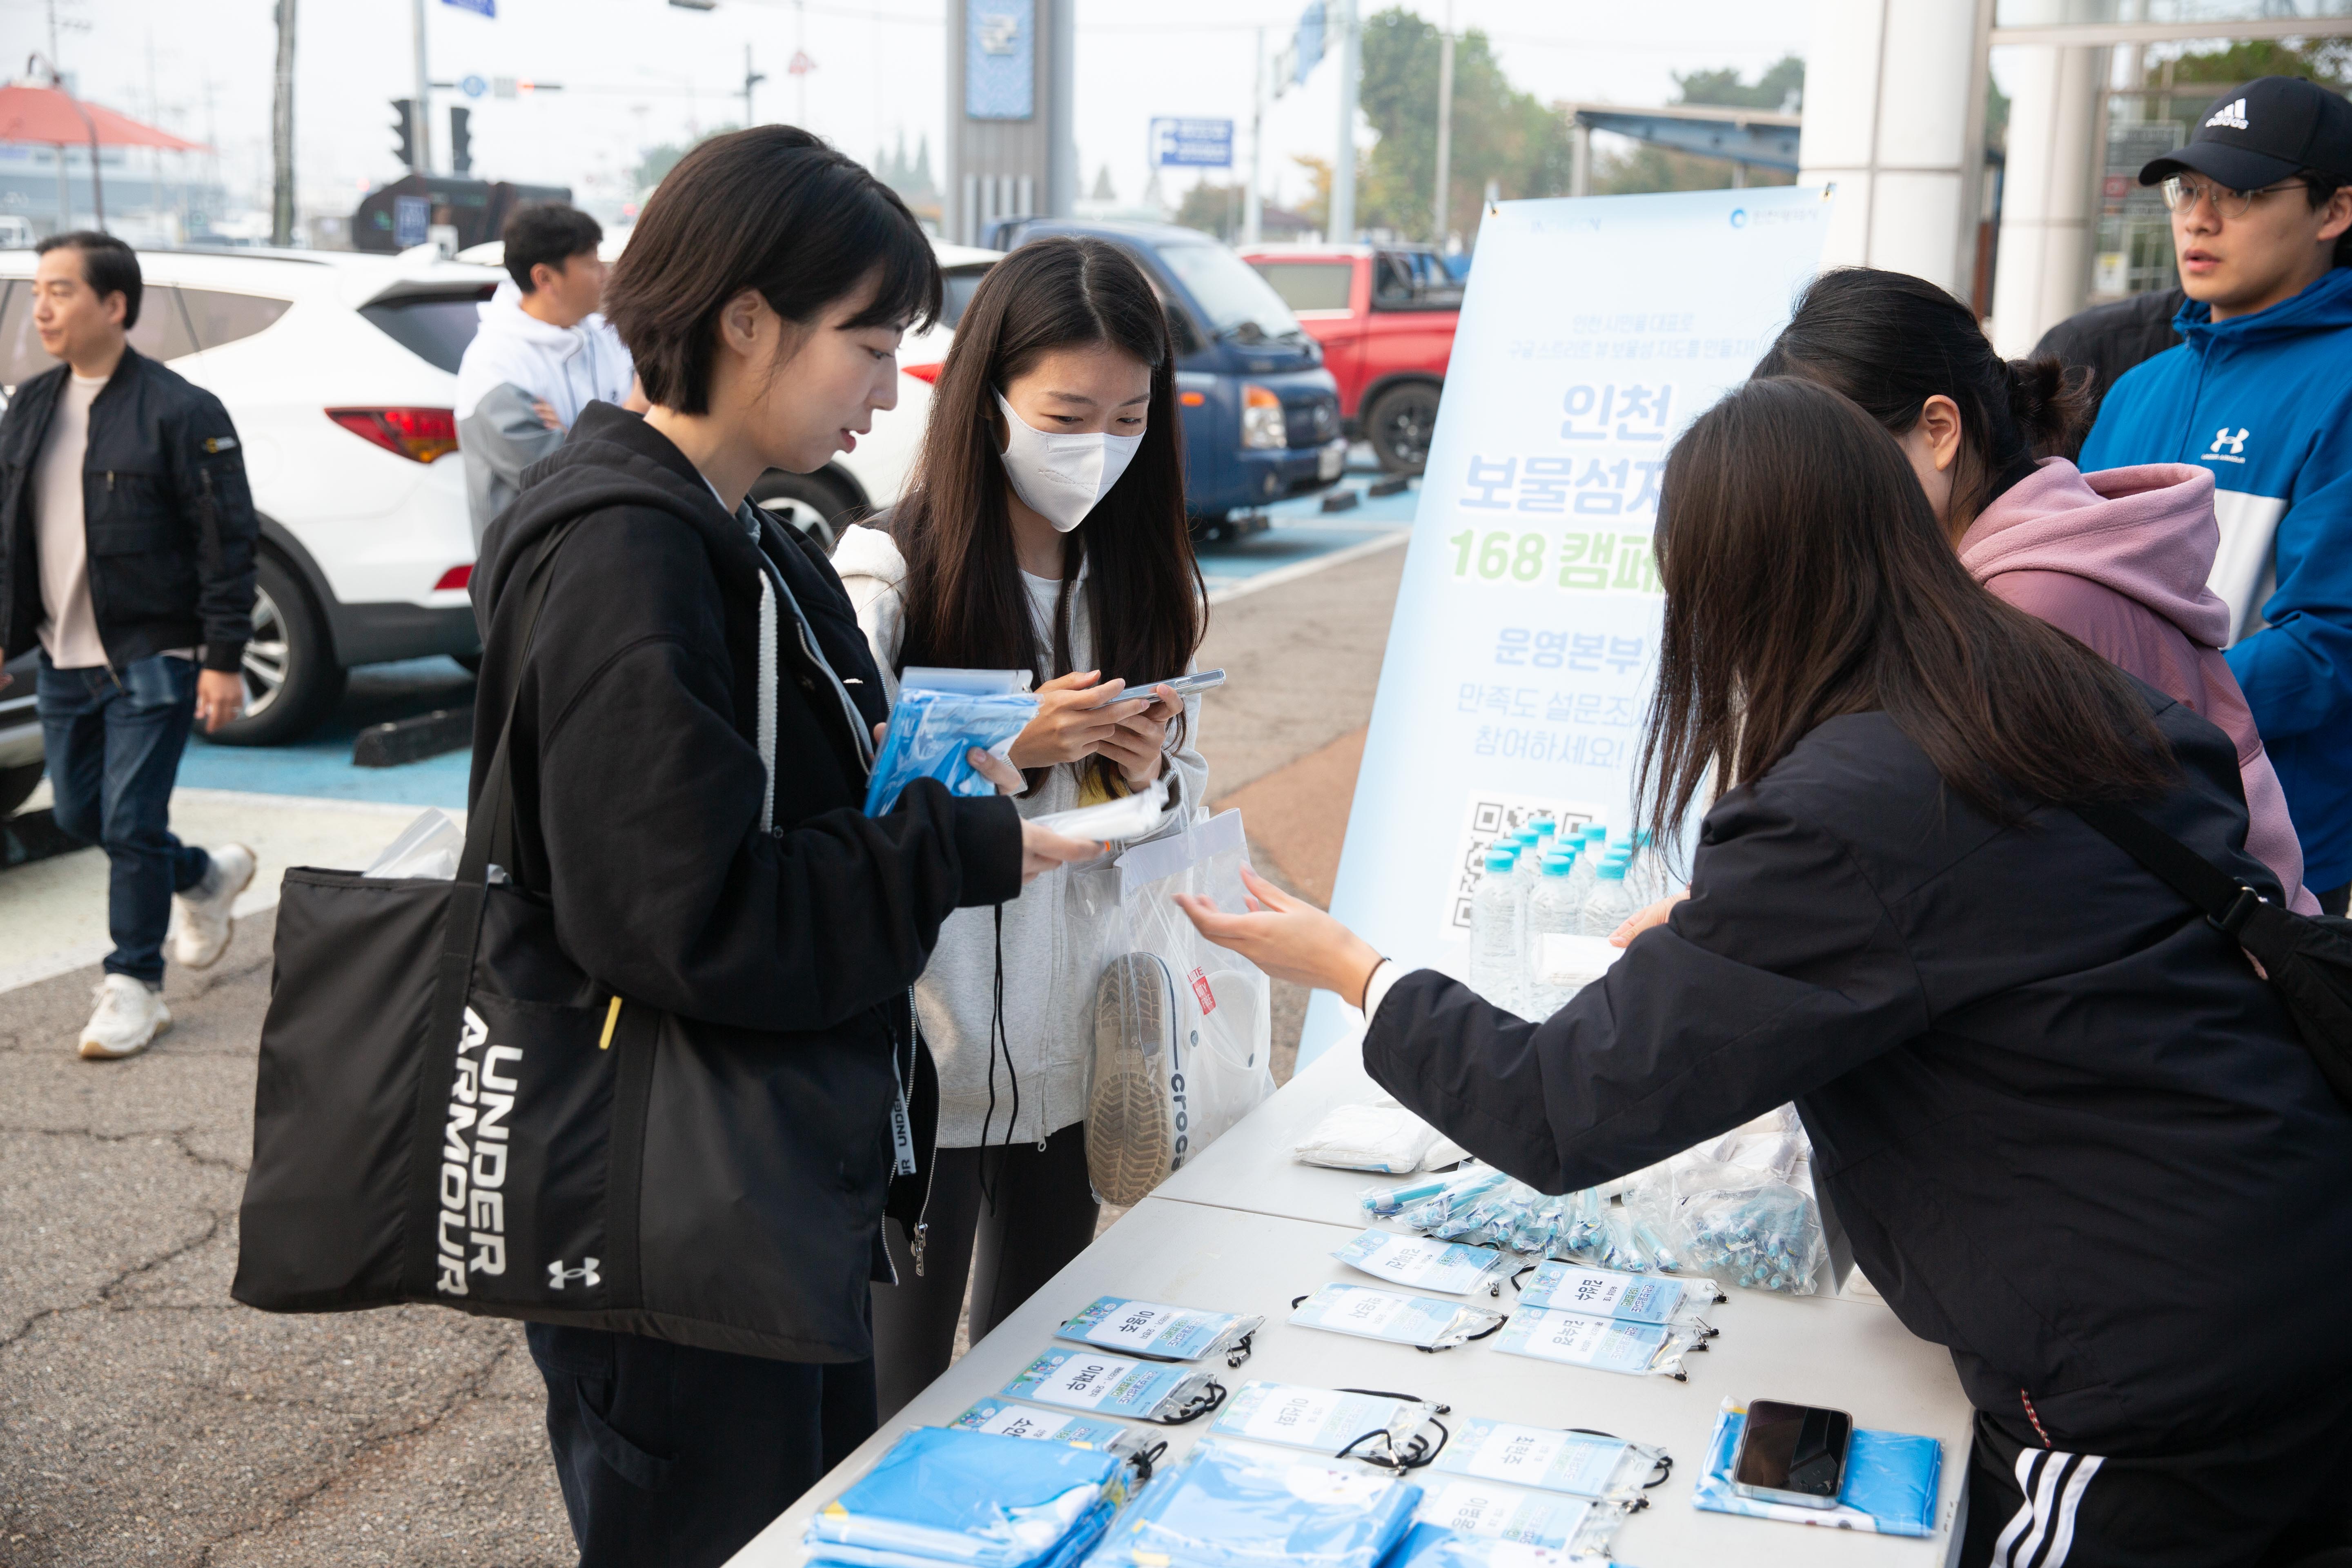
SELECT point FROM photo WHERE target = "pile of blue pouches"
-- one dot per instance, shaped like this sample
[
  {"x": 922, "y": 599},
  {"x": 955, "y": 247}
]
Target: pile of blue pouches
[
  {"x": 1226, "y": 1508},
  {"x": 929, "y": 733},
  {"x": 948, "y": 1498}
]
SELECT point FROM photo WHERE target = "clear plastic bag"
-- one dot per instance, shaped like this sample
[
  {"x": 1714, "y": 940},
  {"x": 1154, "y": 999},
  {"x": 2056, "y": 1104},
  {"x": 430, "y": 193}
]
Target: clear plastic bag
[
  {"x": 1167, "y": 1392},
  {"x": 1005, "y": 1419},
  {"x": 1582, "y": 1464},
  {"x": 950, "y": 1496},
  {"x": 1162, "y": 1333},
  {"x": 1415, "y": 1321},
  {"x": 1226, "y": 1507},
  {"x": 1382, "y": 1428},
  {"x": 1581, "y": 1527},
  {"x": 929, "y": 733},
  {"x": 1606, "y": 1344},
  {"x": 1435, "y": 1546},
  {"x": 1606, "y": 1293},
  {"x": 1379, "y": 1137},
  {"x": 1120, "y": 821},
  {"x": 1425, "y": 1263},
  {"x": 429, "y": 847}
]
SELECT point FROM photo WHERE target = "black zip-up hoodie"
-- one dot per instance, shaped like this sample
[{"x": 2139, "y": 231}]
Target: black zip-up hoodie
[
  {"x": 638, "y": 787},
  {"x": 2070, "y": 1132}
]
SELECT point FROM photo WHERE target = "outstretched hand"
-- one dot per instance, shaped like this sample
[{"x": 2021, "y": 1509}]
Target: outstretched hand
[{"x": 1288, "y": 938}]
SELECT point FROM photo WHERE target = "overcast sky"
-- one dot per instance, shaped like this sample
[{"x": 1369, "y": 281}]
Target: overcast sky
[{"x": 639, "y": 72}]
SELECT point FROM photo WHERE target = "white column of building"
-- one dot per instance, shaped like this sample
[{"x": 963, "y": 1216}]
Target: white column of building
[
  {"x": 2047, "y": 203},
  {"x": 1895, "y": 113}
]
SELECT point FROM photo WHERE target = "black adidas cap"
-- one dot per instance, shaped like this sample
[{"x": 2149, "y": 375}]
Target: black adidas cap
[{"x": 2270, "y": 130}]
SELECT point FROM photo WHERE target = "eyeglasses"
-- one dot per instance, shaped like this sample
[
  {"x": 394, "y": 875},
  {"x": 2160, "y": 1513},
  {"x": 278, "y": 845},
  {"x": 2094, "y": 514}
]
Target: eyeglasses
[{"x": 2182, "y": 195}]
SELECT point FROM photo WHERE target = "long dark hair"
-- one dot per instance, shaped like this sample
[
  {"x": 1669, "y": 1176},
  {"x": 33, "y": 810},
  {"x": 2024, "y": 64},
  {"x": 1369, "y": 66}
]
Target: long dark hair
[
  {"x": 1890, "y": 341},
  {"x": 1806, "y": 578},
  {"x": 966, "y": 607},
  {"x": 772, "y": 208}
]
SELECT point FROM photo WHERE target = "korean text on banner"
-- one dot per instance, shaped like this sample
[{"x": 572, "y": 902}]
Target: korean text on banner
[{"x": 1519, "y": 663}]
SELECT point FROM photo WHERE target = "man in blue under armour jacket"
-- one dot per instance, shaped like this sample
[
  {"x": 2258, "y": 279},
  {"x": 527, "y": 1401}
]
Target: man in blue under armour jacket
[{"x": 2260, "y": 396}]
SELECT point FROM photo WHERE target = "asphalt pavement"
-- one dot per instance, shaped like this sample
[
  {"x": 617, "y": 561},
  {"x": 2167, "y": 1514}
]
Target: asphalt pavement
[{"x": 146, "y": 1418}]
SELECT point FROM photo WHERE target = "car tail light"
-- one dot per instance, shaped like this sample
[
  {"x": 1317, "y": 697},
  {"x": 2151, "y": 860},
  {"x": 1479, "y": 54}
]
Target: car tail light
[
  {"x": 420, "y": 435},
  {"x": 1262, "y": 425},
  {"x": 927, "y": 373},
  {"x": 1192, "y": 399},
  {"x": 456, "y": 577}
]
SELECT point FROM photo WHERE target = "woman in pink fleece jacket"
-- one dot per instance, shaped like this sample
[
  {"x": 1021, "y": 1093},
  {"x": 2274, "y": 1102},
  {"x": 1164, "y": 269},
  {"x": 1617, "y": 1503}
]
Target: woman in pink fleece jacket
[{"x": 2117, "y": 560}]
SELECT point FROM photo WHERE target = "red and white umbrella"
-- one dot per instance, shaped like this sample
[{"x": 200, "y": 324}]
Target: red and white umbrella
[{"x": 52, "y": 117}]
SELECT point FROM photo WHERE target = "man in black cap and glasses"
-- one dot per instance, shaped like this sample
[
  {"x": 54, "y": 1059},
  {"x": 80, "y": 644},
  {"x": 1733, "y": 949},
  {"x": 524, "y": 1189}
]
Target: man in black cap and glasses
[{"x": 2259, "y": 395}]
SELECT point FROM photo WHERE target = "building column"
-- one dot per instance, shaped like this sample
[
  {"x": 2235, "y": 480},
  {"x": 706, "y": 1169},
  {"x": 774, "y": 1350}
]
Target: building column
[
  {"x": 1895, "y": 94},
  {"x": 2047, "y": 212}
]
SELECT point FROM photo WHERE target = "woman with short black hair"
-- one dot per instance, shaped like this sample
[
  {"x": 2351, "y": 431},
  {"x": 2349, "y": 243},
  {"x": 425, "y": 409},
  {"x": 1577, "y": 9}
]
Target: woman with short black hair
[
  {"x": 691, "y": 734},
  {"x": 2064, "y": 1122}
]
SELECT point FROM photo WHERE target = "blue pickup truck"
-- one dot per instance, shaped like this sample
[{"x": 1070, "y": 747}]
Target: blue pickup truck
[{"x": 1261, "y": 413}]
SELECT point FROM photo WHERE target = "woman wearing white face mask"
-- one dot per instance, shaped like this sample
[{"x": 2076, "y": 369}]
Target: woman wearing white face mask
[{"x": 1045, "y": 530}]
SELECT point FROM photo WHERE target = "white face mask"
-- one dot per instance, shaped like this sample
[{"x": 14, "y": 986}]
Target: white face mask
[{"x": 1062, "y": 477}]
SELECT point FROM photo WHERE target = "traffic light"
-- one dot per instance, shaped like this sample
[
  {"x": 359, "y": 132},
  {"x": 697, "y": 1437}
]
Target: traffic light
[
  {"x": 405, "y": 128},
  {"x": 461, "y": 140}
]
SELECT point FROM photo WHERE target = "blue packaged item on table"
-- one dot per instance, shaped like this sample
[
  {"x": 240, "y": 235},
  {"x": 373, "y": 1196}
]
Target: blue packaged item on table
[
  {"x": 1162, "y": 1334},
  {"x": 1009, "y": 1420},
  {"x": 1165, "y": 1392},
  {"x": 1448, "y": 1268},
  {"x": 1607, "y": 1344},
  {"x": 1891, "y": 1481},
  {"x": 1583, "y": 1463},
  {"x": 1581, "y": 1527},
  {"x": 1329, "y": 1420},
  {"x": 945, "y": 1495},
  {"x": 930, "y": 729},
  {"x": 1416, "y": 1320},
  {"x": 1435, "y": 1546},
  {"x": 1573, "y": 1286},
  {"x": 1226, "y": 1507}
]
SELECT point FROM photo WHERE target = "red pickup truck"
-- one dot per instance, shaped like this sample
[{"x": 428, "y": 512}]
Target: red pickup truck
[{"x": 1385, "y": 316}]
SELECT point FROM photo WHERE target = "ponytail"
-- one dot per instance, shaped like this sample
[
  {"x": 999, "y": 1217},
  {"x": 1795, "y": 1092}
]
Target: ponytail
[{"x": 1890, "y": 341}]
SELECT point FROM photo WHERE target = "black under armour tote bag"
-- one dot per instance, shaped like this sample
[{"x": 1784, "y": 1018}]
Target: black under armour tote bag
[{"x": 450, "y": 1111}]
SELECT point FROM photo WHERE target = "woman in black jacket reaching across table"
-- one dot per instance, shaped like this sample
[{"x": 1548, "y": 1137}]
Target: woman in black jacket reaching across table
[
  {"x": 689, "y": 753},
  {"x": 2073, "y": 1135}
]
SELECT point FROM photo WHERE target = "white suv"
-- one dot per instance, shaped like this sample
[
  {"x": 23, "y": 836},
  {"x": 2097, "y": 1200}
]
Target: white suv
[{"x": 339, "y": 371}]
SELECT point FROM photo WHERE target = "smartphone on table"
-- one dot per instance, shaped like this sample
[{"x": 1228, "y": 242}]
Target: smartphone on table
[
  {"x": 1183, "y": 685},
  {"x": 1792, "y": 1453}
]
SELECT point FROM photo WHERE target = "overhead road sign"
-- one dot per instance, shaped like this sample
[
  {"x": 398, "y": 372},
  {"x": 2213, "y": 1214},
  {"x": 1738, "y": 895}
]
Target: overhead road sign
[{"x": 1181, "y": 143}]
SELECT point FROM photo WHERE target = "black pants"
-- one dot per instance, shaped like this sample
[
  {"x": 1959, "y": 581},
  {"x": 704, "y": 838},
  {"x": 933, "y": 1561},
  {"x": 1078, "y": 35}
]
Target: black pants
[
  {"x": 671, "y": 1456},
  {"x": 2335, "y": 900},
  {"x": 2277, "y": 1498},
  {"x": 1044, "y": 1215}
]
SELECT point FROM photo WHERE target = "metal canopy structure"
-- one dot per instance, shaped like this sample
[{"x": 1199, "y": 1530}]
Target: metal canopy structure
[{"x": 1744, "y": 137}]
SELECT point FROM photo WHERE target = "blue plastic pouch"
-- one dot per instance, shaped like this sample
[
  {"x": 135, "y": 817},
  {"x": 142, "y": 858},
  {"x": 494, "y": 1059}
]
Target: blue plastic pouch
[
  {"x": 1607, "y": 1293},
  {"x": 1227, "y": 1507},
  {"x": 1162, "y": 1334},
  {"x": 1009, "y": 1420},
  {"x": 1891, "y": 1481},
  {"x": 945, "y": 1495},
  {"x": 1159, "y": 1391},
  {"x": 1582, "y": 1464},
  {"x": 931, "y": 730}
]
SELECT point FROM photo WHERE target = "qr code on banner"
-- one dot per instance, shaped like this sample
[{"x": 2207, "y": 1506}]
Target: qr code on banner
[{"x": 1489, "y": 816}]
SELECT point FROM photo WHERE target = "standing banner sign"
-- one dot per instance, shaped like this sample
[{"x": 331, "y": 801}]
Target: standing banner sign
[{"x": 1521, "y": 658}]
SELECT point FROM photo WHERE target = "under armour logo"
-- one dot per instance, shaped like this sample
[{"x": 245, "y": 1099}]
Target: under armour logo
[
  {"x": 585, "y": 1274},
  {"x": 2236, "y": 445},
  {"x": 2229, "y": 116}
]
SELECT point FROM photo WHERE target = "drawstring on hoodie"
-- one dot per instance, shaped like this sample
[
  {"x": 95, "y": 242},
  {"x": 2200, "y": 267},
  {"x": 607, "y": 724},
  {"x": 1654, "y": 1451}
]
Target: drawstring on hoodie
[{"x": 997, "y": 1031}]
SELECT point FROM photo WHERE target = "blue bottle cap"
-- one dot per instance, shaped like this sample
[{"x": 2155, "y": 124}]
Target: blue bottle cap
[
  {"x": 1594, "y": 833},
  {"x": 1558, "y": 863},
  {"x": 1499, "y": 860},
  {"x": 1546, "y": 827},
  {"x": 1612, "y": 870}
]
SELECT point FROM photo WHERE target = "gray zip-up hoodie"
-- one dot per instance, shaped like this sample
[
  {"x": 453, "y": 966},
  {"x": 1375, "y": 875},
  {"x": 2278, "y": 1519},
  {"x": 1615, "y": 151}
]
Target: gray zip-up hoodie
[{"x": 1052, "y": 953}]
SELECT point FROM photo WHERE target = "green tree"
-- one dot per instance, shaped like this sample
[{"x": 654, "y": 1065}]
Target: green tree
[
  {"x": 2327, "y": 61},
  {"x": 1499, "y": 132},
  {"x": 1780, "y": 88},
  {"x": 654, "y": 163},
  {"x": 1212, "y": 209}
]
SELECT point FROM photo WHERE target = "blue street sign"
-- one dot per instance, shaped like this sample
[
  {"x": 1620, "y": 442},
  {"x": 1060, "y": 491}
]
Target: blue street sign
[
  {"x": 478, "y": 7},
  {"x": 473, "y": 86},
  {"x": 1307, "y": 46},
  {"x": 1178, "y": 143},
  {"x": 412, "y": 217}
]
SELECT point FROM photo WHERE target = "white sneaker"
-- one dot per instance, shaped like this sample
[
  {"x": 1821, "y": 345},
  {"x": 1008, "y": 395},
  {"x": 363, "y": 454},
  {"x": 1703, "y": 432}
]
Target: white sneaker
[
  {"x": 129, "y": 1015},
  {"x": 201, "y": 934}
]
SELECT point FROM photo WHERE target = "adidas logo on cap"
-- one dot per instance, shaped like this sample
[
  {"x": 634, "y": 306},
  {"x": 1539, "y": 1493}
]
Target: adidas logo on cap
[{"x": 2231, "y": 116}]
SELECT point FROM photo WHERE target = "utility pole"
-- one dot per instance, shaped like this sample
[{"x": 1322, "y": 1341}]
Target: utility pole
[
  {"x": 1342, "y": 222},
  {"x": 1444, "y": 124},
  {"x": 800, "y": 62},
  {"x": 1252, "y": 215},
  {"x": 424, "y": 95},
  {"x": 751, "y": 79},
  {"x": 281, "y": 133}
]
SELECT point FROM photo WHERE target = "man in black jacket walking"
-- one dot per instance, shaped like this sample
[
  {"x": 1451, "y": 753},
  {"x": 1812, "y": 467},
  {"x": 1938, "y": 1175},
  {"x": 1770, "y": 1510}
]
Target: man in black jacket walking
[{"x": 126, "y": 550}]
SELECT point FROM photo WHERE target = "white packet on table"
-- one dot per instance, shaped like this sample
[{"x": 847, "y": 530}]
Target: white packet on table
[
  {"x": 1448, "y": 1268},
  {"x": 1383, "y": 1136}
]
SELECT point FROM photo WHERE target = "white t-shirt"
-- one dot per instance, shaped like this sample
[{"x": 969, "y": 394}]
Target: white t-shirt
[{"x": 68, "y": 624}]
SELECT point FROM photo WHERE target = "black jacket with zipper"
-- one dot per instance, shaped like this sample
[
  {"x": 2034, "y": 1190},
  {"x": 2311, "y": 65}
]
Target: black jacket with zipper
[
  {"x": 2070, "y": 1132},
  {"x": 165, "y": 510},
  {"x": 638, "y": 787}
]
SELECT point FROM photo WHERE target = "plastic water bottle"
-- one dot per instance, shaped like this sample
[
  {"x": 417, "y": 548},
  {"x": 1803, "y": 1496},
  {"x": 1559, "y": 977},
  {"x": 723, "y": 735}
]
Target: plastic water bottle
[
  {"x": 1552, "y": 911},
  {"x": 1588, "y": 861},
  {"x": 1495, "y": 932},
  {"x": 1609, "y": 905}
]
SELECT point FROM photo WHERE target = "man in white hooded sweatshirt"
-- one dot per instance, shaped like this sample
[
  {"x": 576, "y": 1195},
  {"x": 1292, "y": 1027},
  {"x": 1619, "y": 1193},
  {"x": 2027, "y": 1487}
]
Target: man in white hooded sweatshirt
[{"x": 541, "y": 355}]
